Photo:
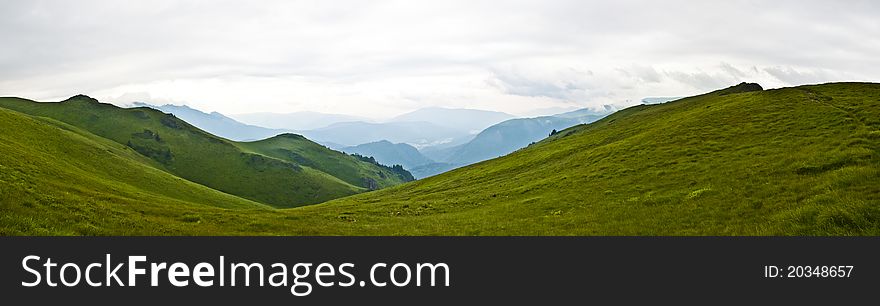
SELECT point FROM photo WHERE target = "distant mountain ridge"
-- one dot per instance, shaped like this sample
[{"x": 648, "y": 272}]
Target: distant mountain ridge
[
  {"x": 511, "y": 135},
  {"x": 508, "y": 136},
  {"x": 426, "y": 127},
  {"x": 390, "y": 154},
  {"x": 297, "y": 121},
  {"x": 216, "y": 123}
]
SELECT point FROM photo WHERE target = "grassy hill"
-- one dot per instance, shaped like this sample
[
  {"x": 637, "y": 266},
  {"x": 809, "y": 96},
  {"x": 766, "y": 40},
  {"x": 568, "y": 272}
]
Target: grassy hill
[
  {"x": 203, "y": 158},
  {"x": 57, "y": 179},
  {"x": 740, "y": 161},
  {"x": 297, "y": 149}
]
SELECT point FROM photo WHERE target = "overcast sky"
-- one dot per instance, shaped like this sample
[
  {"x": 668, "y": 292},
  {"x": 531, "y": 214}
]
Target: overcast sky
[{"x": 381, "y": 58}]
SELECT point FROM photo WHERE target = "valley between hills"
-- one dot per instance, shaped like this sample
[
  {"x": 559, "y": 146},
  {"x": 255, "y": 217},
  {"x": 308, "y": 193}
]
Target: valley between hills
[{"x": 738, "y": 161}]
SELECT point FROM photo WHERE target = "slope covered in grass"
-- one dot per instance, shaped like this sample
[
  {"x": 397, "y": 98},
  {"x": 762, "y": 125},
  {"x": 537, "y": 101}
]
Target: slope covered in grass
[
  {"x": 197, "y": 156},
  {"x": 738, "y": 161},
  {"x": 57, "y": 179}
]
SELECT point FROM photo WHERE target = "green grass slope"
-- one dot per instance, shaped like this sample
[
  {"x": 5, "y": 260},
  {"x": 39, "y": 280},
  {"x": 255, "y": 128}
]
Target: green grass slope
[
  {"x": 200, "y": 157},
  {"x": 57, "y": 179}
]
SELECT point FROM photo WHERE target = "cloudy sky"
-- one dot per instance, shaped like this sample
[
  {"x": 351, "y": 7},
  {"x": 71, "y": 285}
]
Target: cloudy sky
[{"x": 381, "y": 58}]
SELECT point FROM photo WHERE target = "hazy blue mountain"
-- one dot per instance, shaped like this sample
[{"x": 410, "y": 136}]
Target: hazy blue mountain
[
  {"x": 298, "y": 121},
  {"x": 508, "y": 136},
  {"x": 658, "y": 100},
  {"x": 440, "y": 153},
  {"x": 390, "y": 154},
  {"x": 216, "y": 123},
  {"x": 416, "y": 134},
  {"x": 503, "y": 138},
  {"x": 431, "y": 169},
  {"x": 332, "y": 145},
  {"x": 470, "y": 120}
]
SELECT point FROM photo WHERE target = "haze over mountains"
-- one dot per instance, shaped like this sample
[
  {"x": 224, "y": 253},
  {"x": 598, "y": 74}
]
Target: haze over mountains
[
  {"x": 426, "y": 142},
  {"x": 510, "y": 135},
  {"x": 469, "y": 120},
  {"x": 506, "y": 137},
  {"x": 298, "y": 121},
  {"x": 494, "y": 141},
  {"x": 417, "y": 134},
  {"x": 388, "y": 153},
  {"x": 427, "y": 127},
  {"x": 216, "y": 123}
]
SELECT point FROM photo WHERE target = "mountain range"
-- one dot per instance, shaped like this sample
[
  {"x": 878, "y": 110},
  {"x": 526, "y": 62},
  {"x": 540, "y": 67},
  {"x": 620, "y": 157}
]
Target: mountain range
[
  {"x": 736, "y": 161},
  {"x": 442, "y": 141},
  {"x": 442, "y": 129},
  {"x": 417, "y": 134},
  {"x": 427, "y": 127}
]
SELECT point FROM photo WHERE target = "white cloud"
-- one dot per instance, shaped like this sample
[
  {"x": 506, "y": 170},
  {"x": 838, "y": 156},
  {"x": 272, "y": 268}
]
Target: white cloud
[
  {"x": 792, "y": 76},
  {"x": 380, "y": 58}
]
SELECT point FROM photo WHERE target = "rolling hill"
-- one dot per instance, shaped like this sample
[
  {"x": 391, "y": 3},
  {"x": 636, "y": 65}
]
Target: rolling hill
[
  {"x": 738, "y": 161},
  {"x": 56, "y": 179},
  {"x": 190, "y": 153}
]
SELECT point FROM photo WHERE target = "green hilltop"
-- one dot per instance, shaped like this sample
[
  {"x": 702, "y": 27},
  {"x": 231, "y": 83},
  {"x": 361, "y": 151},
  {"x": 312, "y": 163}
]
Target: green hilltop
[
  {"x": 221, "y": 164},
  {"x": 739, "y": 161}
]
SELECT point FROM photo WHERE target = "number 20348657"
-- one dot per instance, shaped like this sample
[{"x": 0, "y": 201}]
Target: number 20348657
[{"x": 792, "y": 271}]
